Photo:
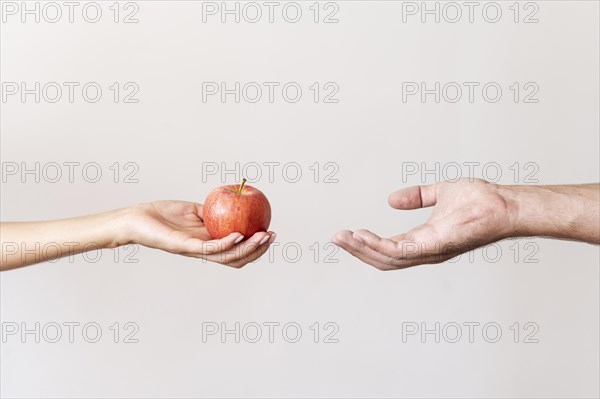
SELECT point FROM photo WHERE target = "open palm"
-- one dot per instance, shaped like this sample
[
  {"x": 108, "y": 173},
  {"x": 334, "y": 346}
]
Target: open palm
[{"x": 467, "y": 214}]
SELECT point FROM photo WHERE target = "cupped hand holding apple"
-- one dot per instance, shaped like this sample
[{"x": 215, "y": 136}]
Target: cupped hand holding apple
[{"x": 181, "y": 227}]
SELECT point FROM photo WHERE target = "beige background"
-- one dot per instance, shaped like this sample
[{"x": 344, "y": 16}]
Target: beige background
[{"x": 368, "y": 135}]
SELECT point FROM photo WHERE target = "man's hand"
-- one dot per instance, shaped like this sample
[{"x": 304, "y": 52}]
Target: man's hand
[{"x": 471, "y": 213}]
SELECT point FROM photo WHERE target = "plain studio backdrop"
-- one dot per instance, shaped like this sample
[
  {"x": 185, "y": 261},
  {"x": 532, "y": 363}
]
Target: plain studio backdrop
[{"x": 144, "y": 93}]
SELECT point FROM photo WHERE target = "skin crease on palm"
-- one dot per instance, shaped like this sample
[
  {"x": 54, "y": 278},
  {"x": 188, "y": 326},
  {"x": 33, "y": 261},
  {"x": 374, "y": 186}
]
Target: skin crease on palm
[{"x": 466, "y": 214}]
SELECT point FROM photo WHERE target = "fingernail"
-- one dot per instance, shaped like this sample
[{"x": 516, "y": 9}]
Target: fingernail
[
  {"x": 237, "y": 240},
  {"x": 272, "y": 239},
  {"x": 265, "y": 239}
]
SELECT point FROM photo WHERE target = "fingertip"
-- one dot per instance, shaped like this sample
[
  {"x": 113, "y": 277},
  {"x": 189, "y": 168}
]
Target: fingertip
[
  {"x": 392, "y": 199},
  {"x": 334, "y": 239},
  {"x": 398, "y": 199},
  {"x": 264, "y": 239},
  {"x": 256, "y": 240},
  {"x": 272, "y": 237},
  {"x": 239, "y": 238},
  {"x": 339, "y": 237}
]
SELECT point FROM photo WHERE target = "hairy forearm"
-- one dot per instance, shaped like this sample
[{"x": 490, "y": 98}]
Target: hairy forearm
[
  {"x": 564, "y": 211},
  {"x": 26, "y": 243}
]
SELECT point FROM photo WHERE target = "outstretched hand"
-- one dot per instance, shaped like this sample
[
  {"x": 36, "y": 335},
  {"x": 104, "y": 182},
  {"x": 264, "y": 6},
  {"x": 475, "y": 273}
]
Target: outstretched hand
[
  {"x": 466, "y": 214},
  {"x": 178, "y": 227}
]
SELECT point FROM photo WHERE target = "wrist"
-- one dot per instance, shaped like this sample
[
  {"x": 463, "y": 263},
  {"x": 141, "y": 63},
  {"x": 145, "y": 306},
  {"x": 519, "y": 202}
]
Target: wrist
[
  {"x": 120, "y": 231},
  {"x": 524, "y": 203},
  {"x": 550, "y": 211}
]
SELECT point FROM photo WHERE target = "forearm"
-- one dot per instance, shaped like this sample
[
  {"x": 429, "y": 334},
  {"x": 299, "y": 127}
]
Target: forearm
[
  {"x": 26, "y": 243},
  {"x": 567, "y": 211}
]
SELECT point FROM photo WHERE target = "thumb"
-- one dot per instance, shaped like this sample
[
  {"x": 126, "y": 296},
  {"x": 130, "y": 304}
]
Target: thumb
[{"x": 414, "y": 197}]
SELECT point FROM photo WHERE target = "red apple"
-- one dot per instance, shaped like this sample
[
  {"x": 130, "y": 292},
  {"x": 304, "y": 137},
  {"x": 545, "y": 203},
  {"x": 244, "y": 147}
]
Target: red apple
[{"x": 236, "y": 208}]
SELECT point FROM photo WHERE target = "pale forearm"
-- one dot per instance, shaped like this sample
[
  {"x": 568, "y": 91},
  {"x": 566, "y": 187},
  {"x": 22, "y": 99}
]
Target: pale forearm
[
  {"x": 564, "y": 211},
  {"x": 26, "y": 243}
]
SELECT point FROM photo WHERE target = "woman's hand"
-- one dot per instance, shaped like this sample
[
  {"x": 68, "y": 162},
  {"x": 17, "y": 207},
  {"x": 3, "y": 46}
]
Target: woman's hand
[
  {"x": 178, "y": 227},
  {"x": 173, "y": 226}
]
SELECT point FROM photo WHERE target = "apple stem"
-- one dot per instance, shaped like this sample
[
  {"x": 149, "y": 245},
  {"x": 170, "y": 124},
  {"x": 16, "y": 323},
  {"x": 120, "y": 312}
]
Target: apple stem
[{"x": 242, "y": 185}]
